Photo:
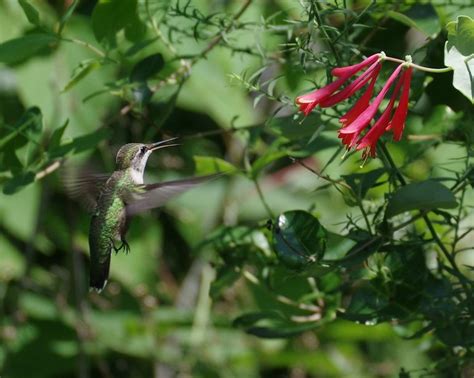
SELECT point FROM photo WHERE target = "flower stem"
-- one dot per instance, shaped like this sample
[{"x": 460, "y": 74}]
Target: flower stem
[{"x": 418, "y": 67}]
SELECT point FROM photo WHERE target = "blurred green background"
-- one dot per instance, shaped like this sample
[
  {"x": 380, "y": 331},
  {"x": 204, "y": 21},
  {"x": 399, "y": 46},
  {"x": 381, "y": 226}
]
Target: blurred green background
[{"x": 156, "y": 316}]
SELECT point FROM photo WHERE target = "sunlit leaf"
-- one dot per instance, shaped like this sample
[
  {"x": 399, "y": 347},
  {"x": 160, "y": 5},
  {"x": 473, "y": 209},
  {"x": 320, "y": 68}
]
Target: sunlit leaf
[
  {"x": 207, "y": 165},
  {"x": 298, "y": 239},
  {"x": 458, "y": 54}
]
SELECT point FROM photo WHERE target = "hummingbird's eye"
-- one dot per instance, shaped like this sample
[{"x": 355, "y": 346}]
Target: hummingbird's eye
[{"x": 143, "y": 150}]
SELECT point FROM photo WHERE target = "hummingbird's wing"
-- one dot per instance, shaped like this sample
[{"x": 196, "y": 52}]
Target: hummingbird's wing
[
  {"x": 149, "y": 196},
  {"x": 84, "y": 187}
]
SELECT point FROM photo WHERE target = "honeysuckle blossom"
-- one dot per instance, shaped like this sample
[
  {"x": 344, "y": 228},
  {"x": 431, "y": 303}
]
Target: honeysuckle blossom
[
  {"x": 309, "y": 101},
  {"x": 358, "y": 118},
  {"x": 363, "y": 120}
]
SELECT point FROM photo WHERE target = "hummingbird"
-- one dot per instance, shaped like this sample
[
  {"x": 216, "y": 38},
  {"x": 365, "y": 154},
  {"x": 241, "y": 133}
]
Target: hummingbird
[{"x": 114, "y": 199}]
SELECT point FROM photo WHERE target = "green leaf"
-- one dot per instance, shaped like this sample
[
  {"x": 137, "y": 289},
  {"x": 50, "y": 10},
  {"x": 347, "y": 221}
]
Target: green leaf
[
  {"x": 30, "y": 11},
  {"x": 228, "y": 238},
  {"x": 298, "y": 239},
  {"x": 80, "y": 144},
  {"x": 18, "y": 182},
  {"x": 30, "y": 124},
  {"x": 367, "y": 303},
  {"x": 111, "y": 16},
  {"x": 84, "y": 69},
  {"x": 420, "y": 16},
  {"x": 67, "y": 15},
  {"x": 56, "y": 136},
  {"x": 361, "y": 183},
  {"x": 19, "y": 49},
  {"x": 461, "y": 35},
  {"x": 459, "y": 54},
  {"x": 423, "y": 195},
  {"x": 274, "y": 325},
  {"x": 147, "y": 68},
  {"x": 272, "y": 154},
  {"x": 225, "y": 277},
  {"x": 359, "y": 252},
  {"x": 292, "y": 128},
  {"x": 207, "y": 165}
]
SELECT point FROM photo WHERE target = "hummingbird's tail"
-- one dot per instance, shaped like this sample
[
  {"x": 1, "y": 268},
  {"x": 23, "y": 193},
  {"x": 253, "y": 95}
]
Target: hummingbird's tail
[{"x": 99, "y": 274}]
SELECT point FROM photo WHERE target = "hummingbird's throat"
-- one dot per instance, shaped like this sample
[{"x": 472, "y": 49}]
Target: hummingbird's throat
[
  {"x": 138, "y": 167},
  {"x": 137, "y": 175}
]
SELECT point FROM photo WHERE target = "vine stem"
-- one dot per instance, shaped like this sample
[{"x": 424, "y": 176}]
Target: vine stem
[
  {"x": 87, "y": 45},
  {"x": 417, "y": 66},
  {"x": 262, "y": 199},
  {"x": 428, "y": 222}
]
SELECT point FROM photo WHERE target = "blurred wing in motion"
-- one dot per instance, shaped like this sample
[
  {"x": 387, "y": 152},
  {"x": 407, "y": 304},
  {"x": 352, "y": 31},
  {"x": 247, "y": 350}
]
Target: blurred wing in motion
[
  {"x": 154, "y": 195},
  {"x": 84, "y": 186}
]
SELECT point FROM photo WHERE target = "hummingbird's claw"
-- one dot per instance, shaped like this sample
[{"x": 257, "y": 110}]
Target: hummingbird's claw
[{"x": 125, "y": 246}]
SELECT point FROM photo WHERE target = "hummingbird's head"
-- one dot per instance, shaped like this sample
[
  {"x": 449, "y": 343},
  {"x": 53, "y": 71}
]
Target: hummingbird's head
[{"x": 135, "y": 156}]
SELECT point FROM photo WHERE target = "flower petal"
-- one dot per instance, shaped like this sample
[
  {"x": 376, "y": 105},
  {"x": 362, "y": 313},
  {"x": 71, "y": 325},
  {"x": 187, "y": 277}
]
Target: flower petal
[
  {"x": 361, "y": 103},
  {"x": 373, "y": 135},
  {"x": 319, "y": 94},
  {"x": 363, "y": 120},
  {"x": 400, "y": 115},
  {"x": 357, "y": 84},
  {"x": 351, "y": 70}
]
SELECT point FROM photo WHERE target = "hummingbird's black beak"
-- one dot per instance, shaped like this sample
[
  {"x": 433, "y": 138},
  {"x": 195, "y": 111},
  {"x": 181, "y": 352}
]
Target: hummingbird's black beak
[{"x": 162, "y": 144}]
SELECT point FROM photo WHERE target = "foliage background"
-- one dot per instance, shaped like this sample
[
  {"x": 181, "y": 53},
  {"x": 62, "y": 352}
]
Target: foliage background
[{"x": 211, "y": 288}]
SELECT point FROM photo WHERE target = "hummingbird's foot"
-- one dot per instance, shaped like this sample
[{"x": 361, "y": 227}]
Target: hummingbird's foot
[{"x": 125, "y": 246}]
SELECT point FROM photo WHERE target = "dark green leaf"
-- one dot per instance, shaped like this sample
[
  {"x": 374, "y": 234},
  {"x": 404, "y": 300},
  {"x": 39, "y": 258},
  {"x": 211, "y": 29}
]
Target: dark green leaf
[
  {"x": 293, "y": 128},
  {"x": 29, "y": 125},
  {"x": 19, "y": 49},
  {"x": 18, "y": 182},
  {"x": 360, "y": 183},
  {"x": 111, "y": 16},
  {"x": 56, "y": 136},
  {"x": 225, "y": 277},
  {"x": 139, "y": 46},
  {"x": 80, "y": 144},
  {"x": 136, "y": 30},
  {"x": 271, "y": 325},
  {"x": 67, "y": 15},
  {"x": 359, "y": 252},
  {"x": 304, "y": 149},
  {"x": 30, "y": 11},
  {"x": 425, "y": 195},
  {"x": 367, "y": 303},
  {"x": 420, "y": 16},
  {"x": 298, "y": 239},
  {"x": 147, "y": 68}
]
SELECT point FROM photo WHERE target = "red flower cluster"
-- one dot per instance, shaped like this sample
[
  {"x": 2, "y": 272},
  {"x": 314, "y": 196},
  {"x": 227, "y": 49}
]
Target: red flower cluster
[{"x": 356, "y": 120}]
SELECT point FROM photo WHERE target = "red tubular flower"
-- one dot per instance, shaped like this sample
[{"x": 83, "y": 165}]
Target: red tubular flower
[
  {"x": 363, "y": 119},
  {"x": 370, "y": 73},
  {"x": 358, "y": 118},
  {"x": 361, "y": 103},
  {"x": 398, "y": 121},
  {"x": 351, "y": 70},
  {"x": 369, "y": 140},
  {"x": 309, "y": 101}
]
